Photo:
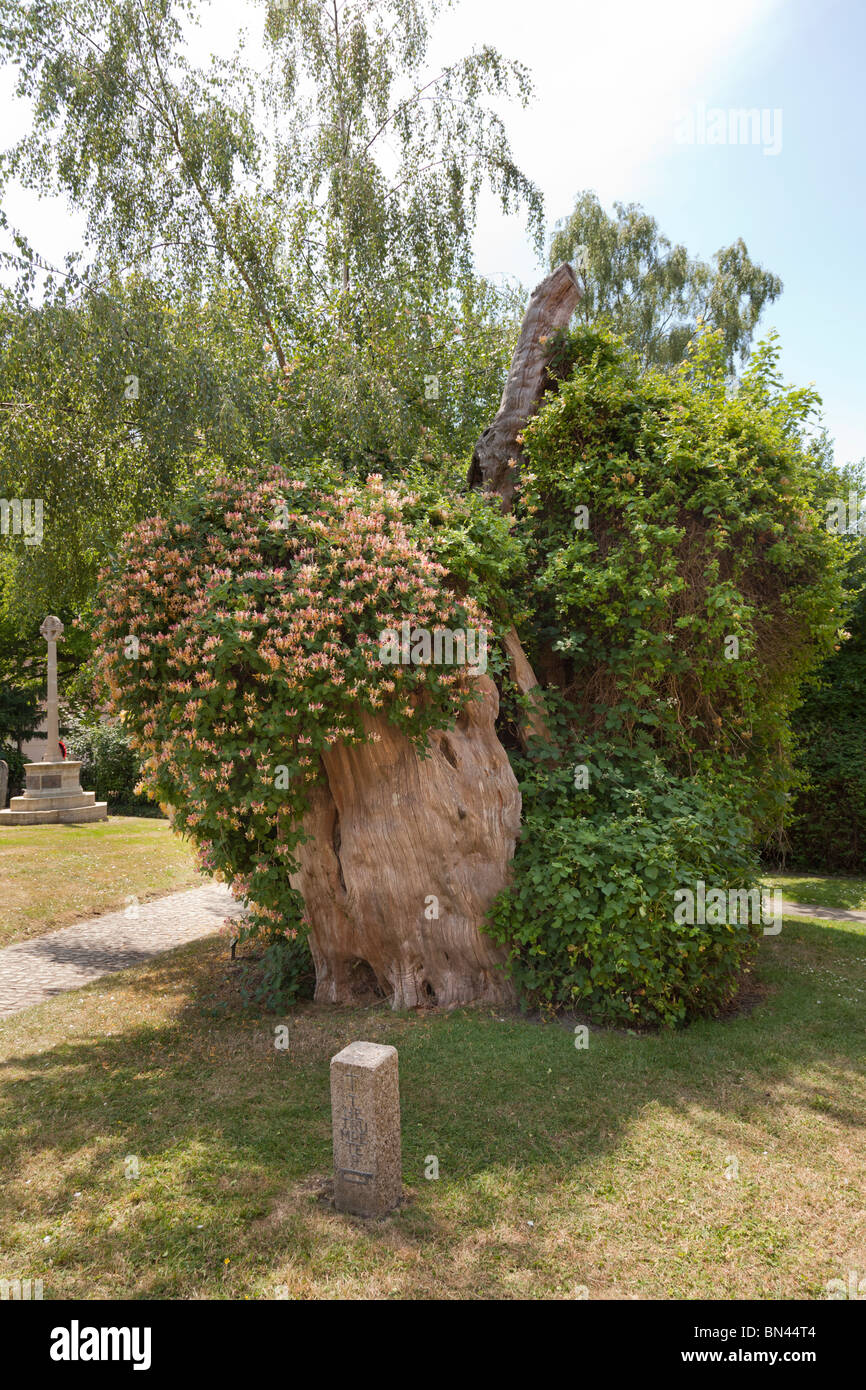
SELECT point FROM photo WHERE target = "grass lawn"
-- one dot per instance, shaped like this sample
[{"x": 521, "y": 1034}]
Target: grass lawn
[
  {"x": 725, "y": 1161},
  {"x": 848, "y": 893},
  {"x": 51, "y": 875}
]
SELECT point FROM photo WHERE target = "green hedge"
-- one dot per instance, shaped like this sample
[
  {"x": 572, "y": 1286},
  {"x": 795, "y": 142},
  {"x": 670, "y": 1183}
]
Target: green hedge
[
  {"x": 589, "y": 921},
  {"x": 109, "y": 766}
]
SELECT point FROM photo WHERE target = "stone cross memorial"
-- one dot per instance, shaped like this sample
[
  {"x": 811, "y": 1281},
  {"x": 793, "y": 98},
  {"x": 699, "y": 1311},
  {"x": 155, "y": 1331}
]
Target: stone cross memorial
[
  {"x": 51, "y": 630},
  {"x": 52, "y": 791},
  {"x": 365, "y": 1108}
]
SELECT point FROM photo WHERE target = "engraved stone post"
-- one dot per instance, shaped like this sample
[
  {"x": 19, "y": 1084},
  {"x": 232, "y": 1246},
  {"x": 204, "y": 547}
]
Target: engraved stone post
[{"x": 365, "y": 1107}]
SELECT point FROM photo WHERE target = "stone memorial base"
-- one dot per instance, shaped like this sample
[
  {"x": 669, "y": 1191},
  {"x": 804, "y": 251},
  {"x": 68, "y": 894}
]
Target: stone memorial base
[{"x": 52, "y": 795}]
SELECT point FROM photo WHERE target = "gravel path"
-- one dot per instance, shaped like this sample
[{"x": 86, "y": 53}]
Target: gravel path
[{"x": 33, "y": 971}]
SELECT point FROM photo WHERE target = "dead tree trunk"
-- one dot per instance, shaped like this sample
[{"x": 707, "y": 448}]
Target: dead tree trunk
[
  {"x": 406, "y": 854},
  {"x": 496, "y": 461},
  {"x": 498, "y": 454}
]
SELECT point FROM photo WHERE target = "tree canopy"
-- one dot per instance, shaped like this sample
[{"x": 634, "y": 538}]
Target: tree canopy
[{"x": 653, "y": 292}]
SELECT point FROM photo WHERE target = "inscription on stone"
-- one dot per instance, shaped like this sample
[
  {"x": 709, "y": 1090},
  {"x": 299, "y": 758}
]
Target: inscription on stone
[{"x": 365, "y": 1107}]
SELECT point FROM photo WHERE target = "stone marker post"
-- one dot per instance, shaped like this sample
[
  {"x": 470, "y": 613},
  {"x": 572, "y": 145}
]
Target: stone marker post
[
  {"x": 4, "y": 782},
  {"x": 365, "y": 1108}
]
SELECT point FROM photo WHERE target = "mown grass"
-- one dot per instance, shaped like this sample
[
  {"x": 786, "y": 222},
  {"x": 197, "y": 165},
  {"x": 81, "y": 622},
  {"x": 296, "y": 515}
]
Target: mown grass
[
  {"x": 51, "y": 875},
  {"x": 724, "y": 1161},
  {"x": 812, "y": 889}
]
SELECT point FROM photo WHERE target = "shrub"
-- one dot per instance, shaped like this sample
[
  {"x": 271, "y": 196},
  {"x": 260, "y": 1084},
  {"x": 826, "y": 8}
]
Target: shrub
[
  {"x": 283, "y": 975},
  {"x": 589, "y": 918},
  {"x": 827, "y": 821},
  {"x": 110, "y": 766}
]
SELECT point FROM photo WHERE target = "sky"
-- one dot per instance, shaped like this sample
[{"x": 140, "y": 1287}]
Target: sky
[{"x": 632, "y": 99}]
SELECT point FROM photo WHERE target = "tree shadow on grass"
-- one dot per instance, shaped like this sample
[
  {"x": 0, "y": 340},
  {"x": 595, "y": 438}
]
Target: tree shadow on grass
[{"x": 224, "y": 1125}]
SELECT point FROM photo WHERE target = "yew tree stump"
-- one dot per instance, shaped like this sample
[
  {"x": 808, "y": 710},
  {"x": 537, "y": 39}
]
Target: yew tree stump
[{"x": 406, "y": 855}]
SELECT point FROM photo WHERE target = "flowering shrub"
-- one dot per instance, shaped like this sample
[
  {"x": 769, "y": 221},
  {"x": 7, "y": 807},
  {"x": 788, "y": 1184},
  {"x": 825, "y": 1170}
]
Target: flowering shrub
[{"x": 241, "y": 637}]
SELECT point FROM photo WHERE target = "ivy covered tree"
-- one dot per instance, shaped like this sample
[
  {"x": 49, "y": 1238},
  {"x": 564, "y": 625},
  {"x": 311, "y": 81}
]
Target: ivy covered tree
[{"x": 680, "y": 582}]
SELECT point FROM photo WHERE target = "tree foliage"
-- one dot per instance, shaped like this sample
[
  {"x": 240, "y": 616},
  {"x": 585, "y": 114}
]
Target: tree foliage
[
  {"x": 682, "y": 577},
  {"x": 111, "y": 404},
  {"x": 826, "y": 823},
  {"x": 654, "y": 293},
  {"x": 337, "y": 190}
]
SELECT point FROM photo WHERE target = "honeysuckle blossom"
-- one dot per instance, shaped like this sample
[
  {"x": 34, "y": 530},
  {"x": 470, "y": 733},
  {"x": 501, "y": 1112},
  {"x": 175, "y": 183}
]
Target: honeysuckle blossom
[{"x": 258, "y": 648}]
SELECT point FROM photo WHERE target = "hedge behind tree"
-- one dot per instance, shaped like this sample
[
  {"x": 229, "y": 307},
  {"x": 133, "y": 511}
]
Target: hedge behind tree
[{"x": 827, "y": 826}]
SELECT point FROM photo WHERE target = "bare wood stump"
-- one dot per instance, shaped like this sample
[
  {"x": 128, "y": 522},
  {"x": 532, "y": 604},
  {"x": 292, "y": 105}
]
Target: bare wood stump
[
  {"x": 405, "y": 856},
  {"x": 496, "y": 460}
]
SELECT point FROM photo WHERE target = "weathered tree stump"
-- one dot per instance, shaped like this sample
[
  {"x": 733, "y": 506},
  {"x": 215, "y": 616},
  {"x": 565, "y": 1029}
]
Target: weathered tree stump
[
  {"x": 406, "y": 854},
  {"x": 496, "y": 461}
]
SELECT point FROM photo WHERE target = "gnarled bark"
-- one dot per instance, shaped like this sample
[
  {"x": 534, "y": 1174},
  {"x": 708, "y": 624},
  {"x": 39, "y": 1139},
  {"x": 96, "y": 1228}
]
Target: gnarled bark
[{"x": 405, "y": 856}]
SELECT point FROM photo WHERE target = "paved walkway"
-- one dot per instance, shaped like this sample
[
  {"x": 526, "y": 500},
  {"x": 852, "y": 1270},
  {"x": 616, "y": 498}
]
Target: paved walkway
[
  {"x": 33, "y": 971},
  {"x": 827, "y": 914}
]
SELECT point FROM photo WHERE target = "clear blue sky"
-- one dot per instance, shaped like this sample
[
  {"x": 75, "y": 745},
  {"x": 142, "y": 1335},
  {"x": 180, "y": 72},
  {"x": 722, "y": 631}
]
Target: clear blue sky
[
  {"x": 803, "y": 212},
  {"x": 612, "y": 82}
]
